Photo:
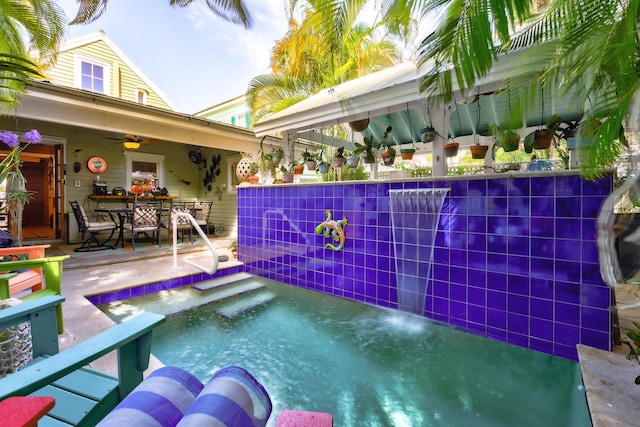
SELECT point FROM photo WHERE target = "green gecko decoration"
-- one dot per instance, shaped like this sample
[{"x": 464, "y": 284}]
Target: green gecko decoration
[{"x": 335, "y": 229}]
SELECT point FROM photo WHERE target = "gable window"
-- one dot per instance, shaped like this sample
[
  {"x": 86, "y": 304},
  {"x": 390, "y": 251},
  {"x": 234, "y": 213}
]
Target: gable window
[
  {"x": 141, "y": 96},
  {"x": 92, "y": 75}
]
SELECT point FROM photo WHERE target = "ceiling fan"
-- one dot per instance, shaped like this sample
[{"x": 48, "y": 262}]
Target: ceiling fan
[{"x": 132, "y": 142}]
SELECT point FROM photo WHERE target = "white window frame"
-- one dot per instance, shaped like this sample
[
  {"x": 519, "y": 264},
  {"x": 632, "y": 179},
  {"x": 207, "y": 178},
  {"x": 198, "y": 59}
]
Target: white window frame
[
  {"x": 79, "y": 59},
  {"x": 131, "y": 156},
  {"x": 231, "y": 174},
  {"x": 145, "y": 95}
]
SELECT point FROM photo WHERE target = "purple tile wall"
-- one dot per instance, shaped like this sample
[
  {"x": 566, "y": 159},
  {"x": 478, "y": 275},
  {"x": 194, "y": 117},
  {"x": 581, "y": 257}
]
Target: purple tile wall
[
  {"x": 515, "y": 258},
  {"x": 153, "y": 287}
]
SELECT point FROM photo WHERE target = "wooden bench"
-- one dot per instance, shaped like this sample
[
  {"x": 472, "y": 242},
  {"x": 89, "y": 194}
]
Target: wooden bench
[
  {"x": 51, "y": 269},
  {"x": 31, "y": 278},
  {"x": 83, "y": 395}
]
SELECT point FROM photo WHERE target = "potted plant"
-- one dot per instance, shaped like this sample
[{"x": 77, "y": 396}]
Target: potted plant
[
  {"x": 287, "y": 173},
  {"x": 270, "y": 161},
  {"x": 322, "y": 166},
  {"x": 450, "y": 149},
  {"x": 506, "y": 139},
  {"x": 309, "y": 159},
  {"x": 540, "y": 139},
  {"x": 233, "y": 247},
  {"x": 408, "y": 152},
  {"x": 388, "y": 156},
  {"x": 427, "y": 134},
  {"x": 298, "y": 169},
  {"x": 253, "y": 170},
  {"x": 338, "y": 159},
  {"x": 359, "y": 125},
  {"x": 366, "y": 149},
  {"x": 353, "y": 160},
  {"x": 478, "y": 151}
]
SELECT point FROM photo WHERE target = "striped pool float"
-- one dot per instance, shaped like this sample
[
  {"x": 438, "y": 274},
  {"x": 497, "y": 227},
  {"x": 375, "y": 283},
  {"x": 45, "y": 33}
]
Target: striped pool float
[
  {"x": 233, "y": 398},
  {"x": 159, "y": 401},
  {"x": 171, "y": 397}
]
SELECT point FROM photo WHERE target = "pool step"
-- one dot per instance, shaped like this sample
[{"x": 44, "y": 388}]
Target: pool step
[
  {"x": 244, "y": 304},
  {"x": 221, "y": 281},
  {"x": 234, "y": 291}
]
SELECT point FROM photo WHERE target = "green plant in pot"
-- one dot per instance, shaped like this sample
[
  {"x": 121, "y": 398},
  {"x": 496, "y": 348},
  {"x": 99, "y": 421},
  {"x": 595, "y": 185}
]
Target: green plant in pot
[
  {"x": 388, "y": 155},
  {"x": 322, "y": 166},
  {"x": 507, "y": 139},
  {"x": 338, "y": 158},
  {"x": 310, "y": 159},
  {"x": 352, "y": 159},
  {"x": 541, "y": 139},
  {"x": 427, "y": 134},
  {"x": 366, "y": 149},
  {"x": 287, "y": 173},
  {"x": 269, "y": 161}
]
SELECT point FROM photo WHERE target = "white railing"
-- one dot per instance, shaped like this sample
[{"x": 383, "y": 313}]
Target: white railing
[{"x": 174, "y": 223}]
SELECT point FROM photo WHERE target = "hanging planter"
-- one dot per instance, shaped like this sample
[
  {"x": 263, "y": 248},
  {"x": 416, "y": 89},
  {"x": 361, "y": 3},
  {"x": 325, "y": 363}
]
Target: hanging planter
[
  {"x": 352, "y": 161},
  {"x": 322, "y": 168},
  {"x": 542, "y": 139},
  {"x": 450, "y": 149},
  {"x": 387, "y": 158},
  {"x": 407, "y": 153},
  {"x": 478, "y": 151},
  {"x": 427, "y": 134},
  {"x": 359, "y": 125}
]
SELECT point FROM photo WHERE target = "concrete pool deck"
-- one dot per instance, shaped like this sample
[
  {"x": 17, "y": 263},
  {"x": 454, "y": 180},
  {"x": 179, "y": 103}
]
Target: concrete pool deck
[{"x": 608, "y": 376}]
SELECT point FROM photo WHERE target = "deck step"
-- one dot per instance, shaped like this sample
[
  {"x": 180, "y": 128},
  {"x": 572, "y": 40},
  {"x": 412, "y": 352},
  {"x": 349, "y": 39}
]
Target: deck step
[
  {"x": 234, "y": 291},
  {"x": 243, "y": 305},
  {"x": 221, "y": 281}
]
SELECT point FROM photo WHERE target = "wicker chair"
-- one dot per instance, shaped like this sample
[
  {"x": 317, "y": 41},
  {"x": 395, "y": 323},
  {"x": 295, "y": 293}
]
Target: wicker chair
[
  {"x": 203, "y": 211},
  {"x": 92, "y": 243},
  {"x": 182, "y": 224},
  {"x": 145, "y": 219}
]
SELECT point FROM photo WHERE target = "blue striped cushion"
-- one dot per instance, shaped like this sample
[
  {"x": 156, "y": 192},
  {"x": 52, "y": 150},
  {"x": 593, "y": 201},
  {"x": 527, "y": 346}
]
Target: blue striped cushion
[
  {"x": 233, "y": 398},
  {"x": 159, "y": 401}
]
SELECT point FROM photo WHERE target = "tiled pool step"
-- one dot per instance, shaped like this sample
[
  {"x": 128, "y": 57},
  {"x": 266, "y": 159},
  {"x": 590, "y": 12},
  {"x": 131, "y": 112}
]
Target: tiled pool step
[
  {"x": 221, "y": 281},
  {"x": 246, "y": 303}
]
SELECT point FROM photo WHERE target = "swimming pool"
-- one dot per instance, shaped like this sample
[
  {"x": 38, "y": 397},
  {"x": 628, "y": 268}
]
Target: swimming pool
[{"x": 366, "y": 365}]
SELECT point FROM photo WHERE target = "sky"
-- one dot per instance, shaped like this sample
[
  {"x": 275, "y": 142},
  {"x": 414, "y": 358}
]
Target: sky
[{"x": 195, "y": 58}]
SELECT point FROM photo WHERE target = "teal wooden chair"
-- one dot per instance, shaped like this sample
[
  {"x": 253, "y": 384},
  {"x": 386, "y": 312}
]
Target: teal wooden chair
[{"x": 83, "y": 396}]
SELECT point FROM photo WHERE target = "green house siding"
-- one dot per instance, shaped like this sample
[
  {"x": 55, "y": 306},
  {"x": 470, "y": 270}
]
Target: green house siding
[{"x": 124, "y": 83}]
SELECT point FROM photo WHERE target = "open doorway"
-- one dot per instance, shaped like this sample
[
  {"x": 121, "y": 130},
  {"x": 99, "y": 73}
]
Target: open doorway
[{"x": 40, "y": 219}]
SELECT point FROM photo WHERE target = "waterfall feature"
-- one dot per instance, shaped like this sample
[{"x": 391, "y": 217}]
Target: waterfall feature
[{"x": 414, "y": 220}]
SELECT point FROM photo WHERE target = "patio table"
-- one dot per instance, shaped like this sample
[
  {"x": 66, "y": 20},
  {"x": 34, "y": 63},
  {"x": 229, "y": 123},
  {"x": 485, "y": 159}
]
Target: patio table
[{"x": 122, "y": 214}]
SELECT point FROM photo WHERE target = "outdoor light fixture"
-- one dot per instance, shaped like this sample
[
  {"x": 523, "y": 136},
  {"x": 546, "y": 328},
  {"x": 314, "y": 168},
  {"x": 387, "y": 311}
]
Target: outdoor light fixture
[{"x": 133, "y": 145}]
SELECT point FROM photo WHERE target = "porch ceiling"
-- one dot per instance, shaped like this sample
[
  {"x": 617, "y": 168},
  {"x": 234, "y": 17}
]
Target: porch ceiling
[
  {"x": 392, "y": 98},
  {"x": 56, "y": 107}
]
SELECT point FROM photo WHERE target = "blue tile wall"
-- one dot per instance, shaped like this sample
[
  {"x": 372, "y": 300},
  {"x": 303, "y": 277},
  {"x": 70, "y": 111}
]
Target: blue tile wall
[
  {"x": 515, "y": 258},
  {"x": 153, "y": 287}
]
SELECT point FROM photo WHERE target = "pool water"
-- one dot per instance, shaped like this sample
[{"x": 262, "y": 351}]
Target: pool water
[{"x": 368, "y": 366}]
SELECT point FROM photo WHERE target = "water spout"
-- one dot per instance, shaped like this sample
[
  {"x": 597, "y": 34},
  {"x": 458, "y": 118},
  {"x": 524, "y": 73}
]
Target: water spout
[{"x": 415, "y": 215}]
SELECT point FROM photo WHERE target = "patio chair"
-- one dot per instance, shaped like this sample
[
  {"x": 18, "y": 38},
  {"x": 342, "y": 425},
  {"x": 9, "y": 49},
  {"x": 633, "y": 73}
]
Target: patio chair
[
  {"x": 145, "y": 219},
  {"x": 182, "y": 223},
  {"x": 92, "y": 243},
  {"x": 202, "y": 213}
]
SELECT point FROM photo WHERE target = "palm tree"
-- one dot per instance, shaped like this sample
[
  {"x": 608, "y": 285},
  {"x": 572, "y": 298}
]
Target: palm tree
[
  {"x": 233, "y": 11},
  {"x": 43, "y": 22},
  {"x": 587, "y": 48},
  {"x": 307, "y": 59}
]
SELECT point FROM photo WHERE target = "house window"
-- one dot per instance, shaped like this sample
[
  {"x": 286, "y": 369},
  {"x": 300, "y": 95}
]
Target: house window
[
  {"x": 141, "y": 96},
  {"x": 92, "y": 75},
  {"x": 144, "y": 171}
]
